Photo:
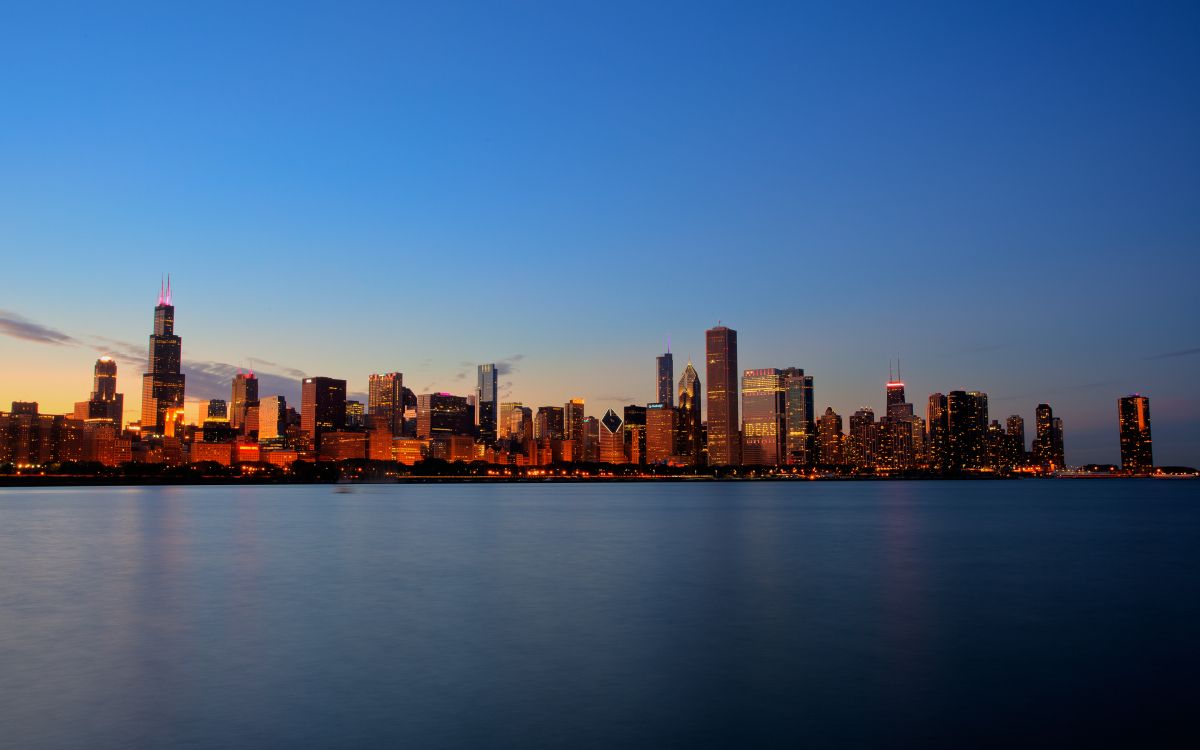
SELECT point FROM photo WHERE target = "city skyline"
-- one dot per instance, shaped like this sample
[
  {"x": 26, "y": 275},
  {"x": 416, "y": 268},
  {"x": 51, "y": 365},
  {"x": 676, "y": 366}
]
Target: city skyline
[
  {"x": 970, "y": 188},
  {"x": 782, "y": 429}
]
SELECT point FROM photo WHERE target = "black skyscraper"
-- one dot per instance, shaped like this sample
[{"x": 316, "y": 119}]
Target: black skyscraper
[{"x": 162, "y": 385}]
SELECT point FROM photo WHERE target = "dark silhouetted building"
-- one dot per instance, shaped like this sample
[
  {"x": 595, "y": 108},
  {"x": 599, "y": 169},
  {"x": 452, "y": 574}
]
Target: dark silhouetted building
[
  {"x": 549, "y": 423},
  {"x": 1048, "y": 448},
  {"x": 245, "y": 393},
  {"x": 967, "y": 413},
  {"x": 635, "y": 433},
  {"x": 1137, "y": 449},
  {"x": 163, "y": 383},
  {"x": 938, "y": 427},
  {"x": 322, "y": 407},
  {"x": 665, "y": 369},
  {"x": 1016, "y": 440},
  {"x": 440, "y": 414}
]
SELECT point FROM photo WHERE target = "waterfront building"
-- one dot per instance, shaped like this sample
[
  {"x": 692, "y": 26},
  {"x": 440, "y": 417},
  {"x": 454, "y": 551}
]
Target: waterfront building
[
  {"x": 1015, "y": 429},
  {"x": 763, "y": 417},
  {"x": 967, "y": 418},
  {"x": 385, "y": 402},
  {"x": 688, "y": 419},
  {"x": 322, "y": 408},
  {"x": 163, "y": 383},
  {"x": 486, "y": 392},
  {"x": 244, "y": 393},
  {"x": 635, "y": 433},
  {"x": 612, "y": 439},
  {"x": 660, "y": 433},
  {"x": 549, "y": 423},
  {"x": 1137, "y": 448},
  {"x": 860, "y": 438},
  {"x": 1048, "y": 449},
  {"x": 105, "y": 404},
  {"x": 723, "y": 424},
  {"x": 440, "y": 414},
  {"x": 938, "y": 431},
  {"x": 272, "y": 419},
  {"x": 800, "y": 427},
  {"x": 665, "y": 371},
  {"x": 573, "y": 427},
  {"x": 831, "y": 439}
]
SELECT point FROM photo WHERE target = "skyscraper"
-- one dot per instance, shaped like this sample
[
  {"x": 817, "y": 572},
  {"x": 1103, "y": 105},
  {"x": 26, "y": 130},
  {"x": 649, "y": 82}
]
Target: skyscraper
[
  {"x": 162, "y": 385},
  {"x": 245, "y": 393},
  {"x": 724, "y": 438},
  {"x": 105, "y": 403},
  {"x": 967, "y": 413},
  {"x": 660, "y": 433},
  {"x": 385, "y": 402},
  {"x": 443, "y": 415},
  {"x": 486, "y": 390},
  {"x": 665, "y": 368},
  {"x": 1137, "y": 449},
  {"x": 322, "y": 407},
  {"x": 612, "y": 439},
  {"x": 688, "y": 420},
  {"x": 1048, "y": 443},
  {"x": 635, "y": 433},
  {"x": 800, "y": 439},
  {"x": 548, "y": 424},
  {"x": 1015, "y": 429},
  {"x": 763, "y": 417},
  {"x": 860, "y": 441},
  {"x": 938, "y": 426},
  {"x": 272, "y": 419},
  {"x": 831, "y": 438},
  {"x": 573, "y": 426}
]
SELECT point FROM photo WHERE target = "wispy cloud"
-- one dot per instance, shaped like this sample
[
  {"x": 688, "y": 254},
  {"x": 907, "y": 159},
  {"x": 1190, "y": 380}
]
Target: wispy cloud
[
  {"x": 508, "y": 364},
  {"x": 1172, "y": 355},
  {"x": 18, "y": 327},
  {"x": 625, "y": 399}
]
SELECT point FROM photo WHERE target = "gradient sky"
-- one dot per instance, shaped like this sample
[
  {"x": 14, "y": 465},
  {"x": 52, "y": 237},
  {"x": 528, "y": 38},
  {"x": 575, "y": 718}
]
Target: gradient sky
[{"x": 1006, "y": 195}]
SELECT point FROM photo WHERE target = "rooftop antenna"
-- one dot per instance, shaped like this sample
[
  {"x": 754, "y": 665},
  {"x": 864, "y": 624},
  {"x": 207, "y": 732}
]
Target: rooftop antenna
[
  {"x": 168, "y": 289},
  {"x": 668, "y": 343},
  {"x": 897, "y": 367}
]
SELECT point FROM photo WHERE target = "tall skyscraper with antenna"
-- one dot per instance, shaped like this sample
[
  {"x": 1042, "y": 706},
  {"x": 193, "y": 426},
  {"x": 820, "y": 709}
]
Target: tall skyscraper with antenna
[
  {"x": 665, "y": 368},
  {"x": 162, "y": 385}
]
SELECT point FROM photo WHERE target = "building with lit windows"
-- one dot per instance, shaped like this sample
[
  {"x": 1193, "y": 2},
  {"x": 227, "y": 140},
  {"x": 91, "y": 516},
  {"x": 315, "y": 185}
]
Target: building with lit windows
[
  {"x": 1137, "y": 448},
  {"x": 322, "y": 407},
  {"x": 665, "y": 371},
  {"x": 385, "y": 402},
  {"x": 244, "y": 393},
  {"x": 440, "y": 414},
  {"x": 688, "y": 419},
  {"x": 105, "y": 404},
  {"x": 486, "y": 392},
  {"x": 764, "y": 417},
  {"x": 612, "y": 439},
  {"x": 724, "y": 437},
  {"x": 660, "y": 433},
  {"x": 163, "y": 383}
]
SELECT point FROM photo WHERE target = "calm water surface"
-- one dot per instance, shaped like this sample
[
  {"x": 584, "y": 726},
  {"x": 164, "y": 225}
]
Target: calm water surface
[{"x": 602, "y": 615}]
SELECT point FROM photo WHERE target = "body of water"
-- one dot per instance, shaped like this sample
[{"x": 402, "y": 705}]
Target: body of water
[{"x": 706, "y": 614}]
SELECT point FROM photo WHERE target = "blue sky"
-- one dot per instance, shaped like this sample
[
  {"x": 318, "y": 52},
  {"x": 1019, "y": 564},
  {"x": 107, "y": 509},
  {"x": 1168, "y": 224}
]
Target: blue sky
[{"x": 1007, "y": 197}]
